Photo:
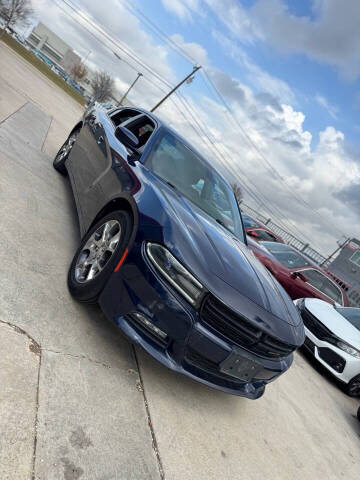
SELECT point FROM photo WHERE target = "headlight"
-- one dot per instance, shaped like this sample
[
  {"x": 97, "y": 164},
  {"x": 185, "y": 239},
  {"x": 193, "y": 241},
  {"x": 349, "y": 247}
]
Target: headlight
[
  {"x": 348, "y": 349},
  {"x": 175, "y": 273}
]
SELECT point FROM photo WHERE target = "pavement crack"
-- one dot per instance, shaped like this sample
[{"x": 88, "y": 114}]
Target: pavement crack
[
  {"x": 47, "y": 133},
  {"x": 141, "y": 388},
  {"x": 13, "y": 113},
  {"x": 35, "y": 348},
  {"x": 73, "y": 355},
  {"x": 34, "y": 345},
  {"x": 36, "y": 420}
]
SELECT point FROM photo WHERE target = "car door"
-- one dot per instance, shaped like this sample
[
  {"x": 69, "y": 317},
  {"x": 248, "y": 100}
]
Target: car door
[{"x": 86, "y": 153}]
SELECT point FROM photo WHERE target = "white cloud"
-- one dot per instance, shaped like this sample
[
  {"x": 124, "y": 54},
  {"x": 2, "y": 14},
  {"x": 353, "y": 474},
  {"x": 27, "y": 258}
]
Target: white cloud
[
  {"x": 332, "y": 36},
  {"x": 182, "y": 8},
  {"x": 331, "y": 109},
  {"x": 256, "y": 77},
  {"x": 235, "y": 17},
  {"x": 194, "y": 50}
]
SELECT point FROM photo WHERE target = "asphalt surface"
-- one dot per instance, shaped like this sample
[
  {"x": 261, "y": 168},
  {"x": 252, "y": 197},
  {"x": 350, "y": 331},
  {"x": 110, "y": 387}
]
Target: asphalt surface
[{"x": 77, "y": 401}]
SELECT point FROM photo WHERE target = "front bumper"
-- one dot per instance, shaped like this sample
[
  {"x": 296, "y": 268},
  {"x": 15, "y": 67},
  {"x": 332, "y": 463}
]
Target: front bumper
[
  {"x": 339, "y": 363},
  {"x": 191, "y": 347}
]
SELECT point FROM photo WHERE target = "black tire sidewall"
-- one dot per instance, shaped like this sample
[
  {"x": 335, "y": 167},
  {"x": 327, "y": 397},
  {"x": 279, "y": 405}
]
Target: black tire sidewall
[
  {"x": 349, "y": 385},
  {"x": 89, "y": 292},
  {"x": 60, "y": 166}
]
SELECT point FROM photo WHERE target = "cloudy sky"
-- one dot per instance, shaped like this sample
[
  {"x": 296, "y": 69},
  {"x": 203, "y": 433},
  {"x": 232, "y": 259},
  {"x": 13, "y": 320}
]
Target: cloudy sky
[{"x": 286, "y": 125}]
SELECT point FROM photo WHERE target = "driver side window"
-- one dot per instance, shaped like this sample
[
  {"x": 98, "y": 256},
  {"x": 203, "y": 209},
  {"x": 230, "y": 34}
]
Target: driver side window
[
  {"x": 142, "y": 127},
  {"x": 324, "y": 285},
  {"x": 314, "y": 278}
]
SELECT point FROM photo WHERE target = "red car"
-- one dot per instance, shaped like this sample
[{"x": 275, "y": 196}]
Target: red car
[
  {"x": 299, "y": 276},
  {"x": 258, "y": 231}
]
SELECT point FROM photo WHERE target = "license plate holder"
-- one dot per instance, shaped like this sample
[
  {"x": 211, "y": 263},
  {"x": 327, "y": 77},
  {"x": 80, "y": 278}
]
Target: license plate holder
[{"x": 236, "y": 365}]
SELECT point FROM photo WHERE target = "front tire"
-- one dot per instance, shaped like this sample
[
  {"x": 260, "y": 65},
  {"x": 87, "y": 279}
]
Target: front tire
[
  {"x": 100, "y": 251},
  {"x": 353, "y": 387}
]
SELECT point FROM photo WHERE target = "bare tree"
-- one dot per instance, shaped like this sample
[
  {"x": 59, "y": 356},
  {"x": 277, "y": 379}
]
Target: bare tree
[
  {"x": 15, "y": 11},
  {"x": 237, "y": 192},
  {"x": 102, "y": 86},
  {"x": 78, "y": 71}
]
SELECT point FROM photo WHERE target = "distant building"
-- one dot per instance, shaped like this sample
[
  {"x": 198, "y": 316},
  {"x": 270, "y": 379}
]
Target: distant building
[
  {"x": 53, "y": 47},
  {"x": 69, "y": 59},
  {"x": 347, "y": 267}
]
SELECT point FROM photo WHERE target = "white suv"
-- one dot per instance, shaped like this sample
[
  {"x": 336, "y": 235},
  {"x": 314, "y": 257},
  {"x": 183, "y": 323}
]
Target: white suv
[{"x": 333, "y": 337}]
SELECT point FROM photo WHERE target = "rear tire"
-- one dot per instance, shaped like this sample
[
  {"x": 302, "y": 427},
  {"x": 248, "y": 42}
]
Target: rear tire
[
  {"x": 100, "y": 251},
  {"x": 64, "y": 152},
  {"x": 353, "y": 387}
]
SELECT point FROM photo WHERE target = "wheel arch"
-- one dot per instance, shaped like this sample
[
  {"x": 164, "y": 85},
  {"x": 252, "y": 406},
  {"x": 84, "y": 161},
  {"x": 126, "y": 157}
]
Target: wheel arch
[
  {"x": 78, "y": 126},
  {"x": 120, "y": 203}
]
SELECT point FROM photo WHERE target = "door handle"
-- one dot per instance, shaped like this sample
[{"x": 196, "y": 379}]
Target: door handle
[{"x": 100, "y": 140}]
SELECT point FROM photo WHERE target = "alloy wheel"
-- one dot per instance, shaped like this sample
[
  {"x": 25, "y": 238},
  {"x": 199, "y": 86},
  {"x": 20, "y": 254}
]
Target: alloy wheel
[{"x": 97, "y": 251}]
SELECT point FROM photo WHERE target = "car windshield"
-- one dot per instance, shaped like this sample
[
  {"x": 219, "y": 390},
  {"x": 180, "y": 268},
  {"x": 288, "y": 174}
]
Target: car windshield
[
  {"x": 352, "y": 315},
  {"x": 248, "y": 221},
  {"x": 184, "y": 170},
  {"x": 287, "y": 256},
  {"x": 264, "y": 235}
]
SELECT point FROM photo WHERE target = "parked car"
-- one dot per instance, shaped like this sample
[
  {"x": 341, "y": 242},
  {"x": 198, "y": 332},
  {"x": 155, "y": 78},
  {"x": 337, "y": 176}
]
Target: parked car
[
  {"x": 259, "y": 231},
  {"x": 163, "y": 265},
  {"x": 333, "y": 338},
  {"x": 299, "y": 276}
]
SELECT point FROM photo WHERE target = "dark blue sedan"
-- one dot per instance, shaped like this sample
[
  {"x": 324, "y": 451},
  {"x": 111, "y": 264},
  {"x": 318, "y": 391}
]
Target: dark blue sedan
[{"x": 163, "y": 251}]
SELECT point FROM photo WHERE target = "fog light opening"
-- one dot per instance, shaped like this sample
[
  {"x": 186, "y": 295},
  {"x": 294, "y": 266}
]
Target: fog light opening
[{"x": 139, "y": 317}]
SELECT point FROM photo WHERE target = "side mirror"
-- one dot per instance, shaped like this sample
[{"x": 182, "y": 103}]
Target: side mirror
[
  {"x": 252, "y": 233},
  {"x": 300, "y": 275},
  {"x": 126, "y": 137}
]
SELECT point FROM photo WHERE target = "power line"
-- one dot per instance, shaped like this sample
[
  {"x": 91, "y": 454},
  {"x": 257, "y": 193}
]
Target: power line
[
  {"x": 142, "y": 17},
  {"x": 265, "y": 200}
]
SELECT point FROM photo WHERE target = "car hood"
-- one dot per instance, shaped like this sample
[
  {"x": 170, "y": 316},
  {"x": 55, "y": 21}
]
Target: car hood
[
  {"x": 204, "y": 246},
  {"x": 334, "y": 321}
]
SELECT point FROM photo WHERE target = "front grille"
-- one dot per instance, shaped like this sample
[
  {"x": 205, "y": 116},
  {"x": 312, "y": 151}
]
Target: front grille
[
  {"x": 240, "y": 331},
  {"x": 315, "y": 326}
]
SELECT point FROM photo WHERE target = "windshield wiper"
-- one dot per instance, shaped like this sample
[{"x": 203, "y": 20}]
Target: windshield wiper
[{"x": 171, "y": 185}]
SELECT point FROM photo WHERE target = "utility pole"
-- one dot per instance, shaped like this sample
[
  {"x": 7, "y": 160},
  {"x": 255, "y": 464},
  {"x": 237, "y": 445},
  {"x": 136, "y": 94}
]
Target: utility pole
[
  {"x": 87, "y": 56},
  {"x": 131, "y": 86},
  {"x": 128, "y": 90},
  {"x": 341, "y": 245},
  {"x": 195, "y": 69}
]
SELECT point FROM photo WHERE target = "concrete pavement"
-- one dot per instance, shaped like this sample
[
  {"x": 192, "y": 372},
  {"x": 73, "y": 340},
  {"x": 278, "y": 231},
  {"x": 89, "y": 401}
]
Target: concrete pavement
[{"x": 75, "y": 400}]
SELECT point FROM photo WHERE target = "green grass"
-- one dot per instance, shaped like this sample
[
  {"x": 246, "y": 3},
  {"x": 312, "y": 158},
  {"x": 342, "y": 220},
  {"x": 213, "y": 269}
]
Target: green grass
[{"x": 42, "y": 67}]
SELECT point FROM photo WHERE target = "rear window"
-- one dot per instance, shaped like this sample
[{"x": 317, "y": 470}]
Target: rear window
[
  {"x": 264, "y": 235},
  {"x": 286, "y": 255},
  {"x": 248, "y": 221}
]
